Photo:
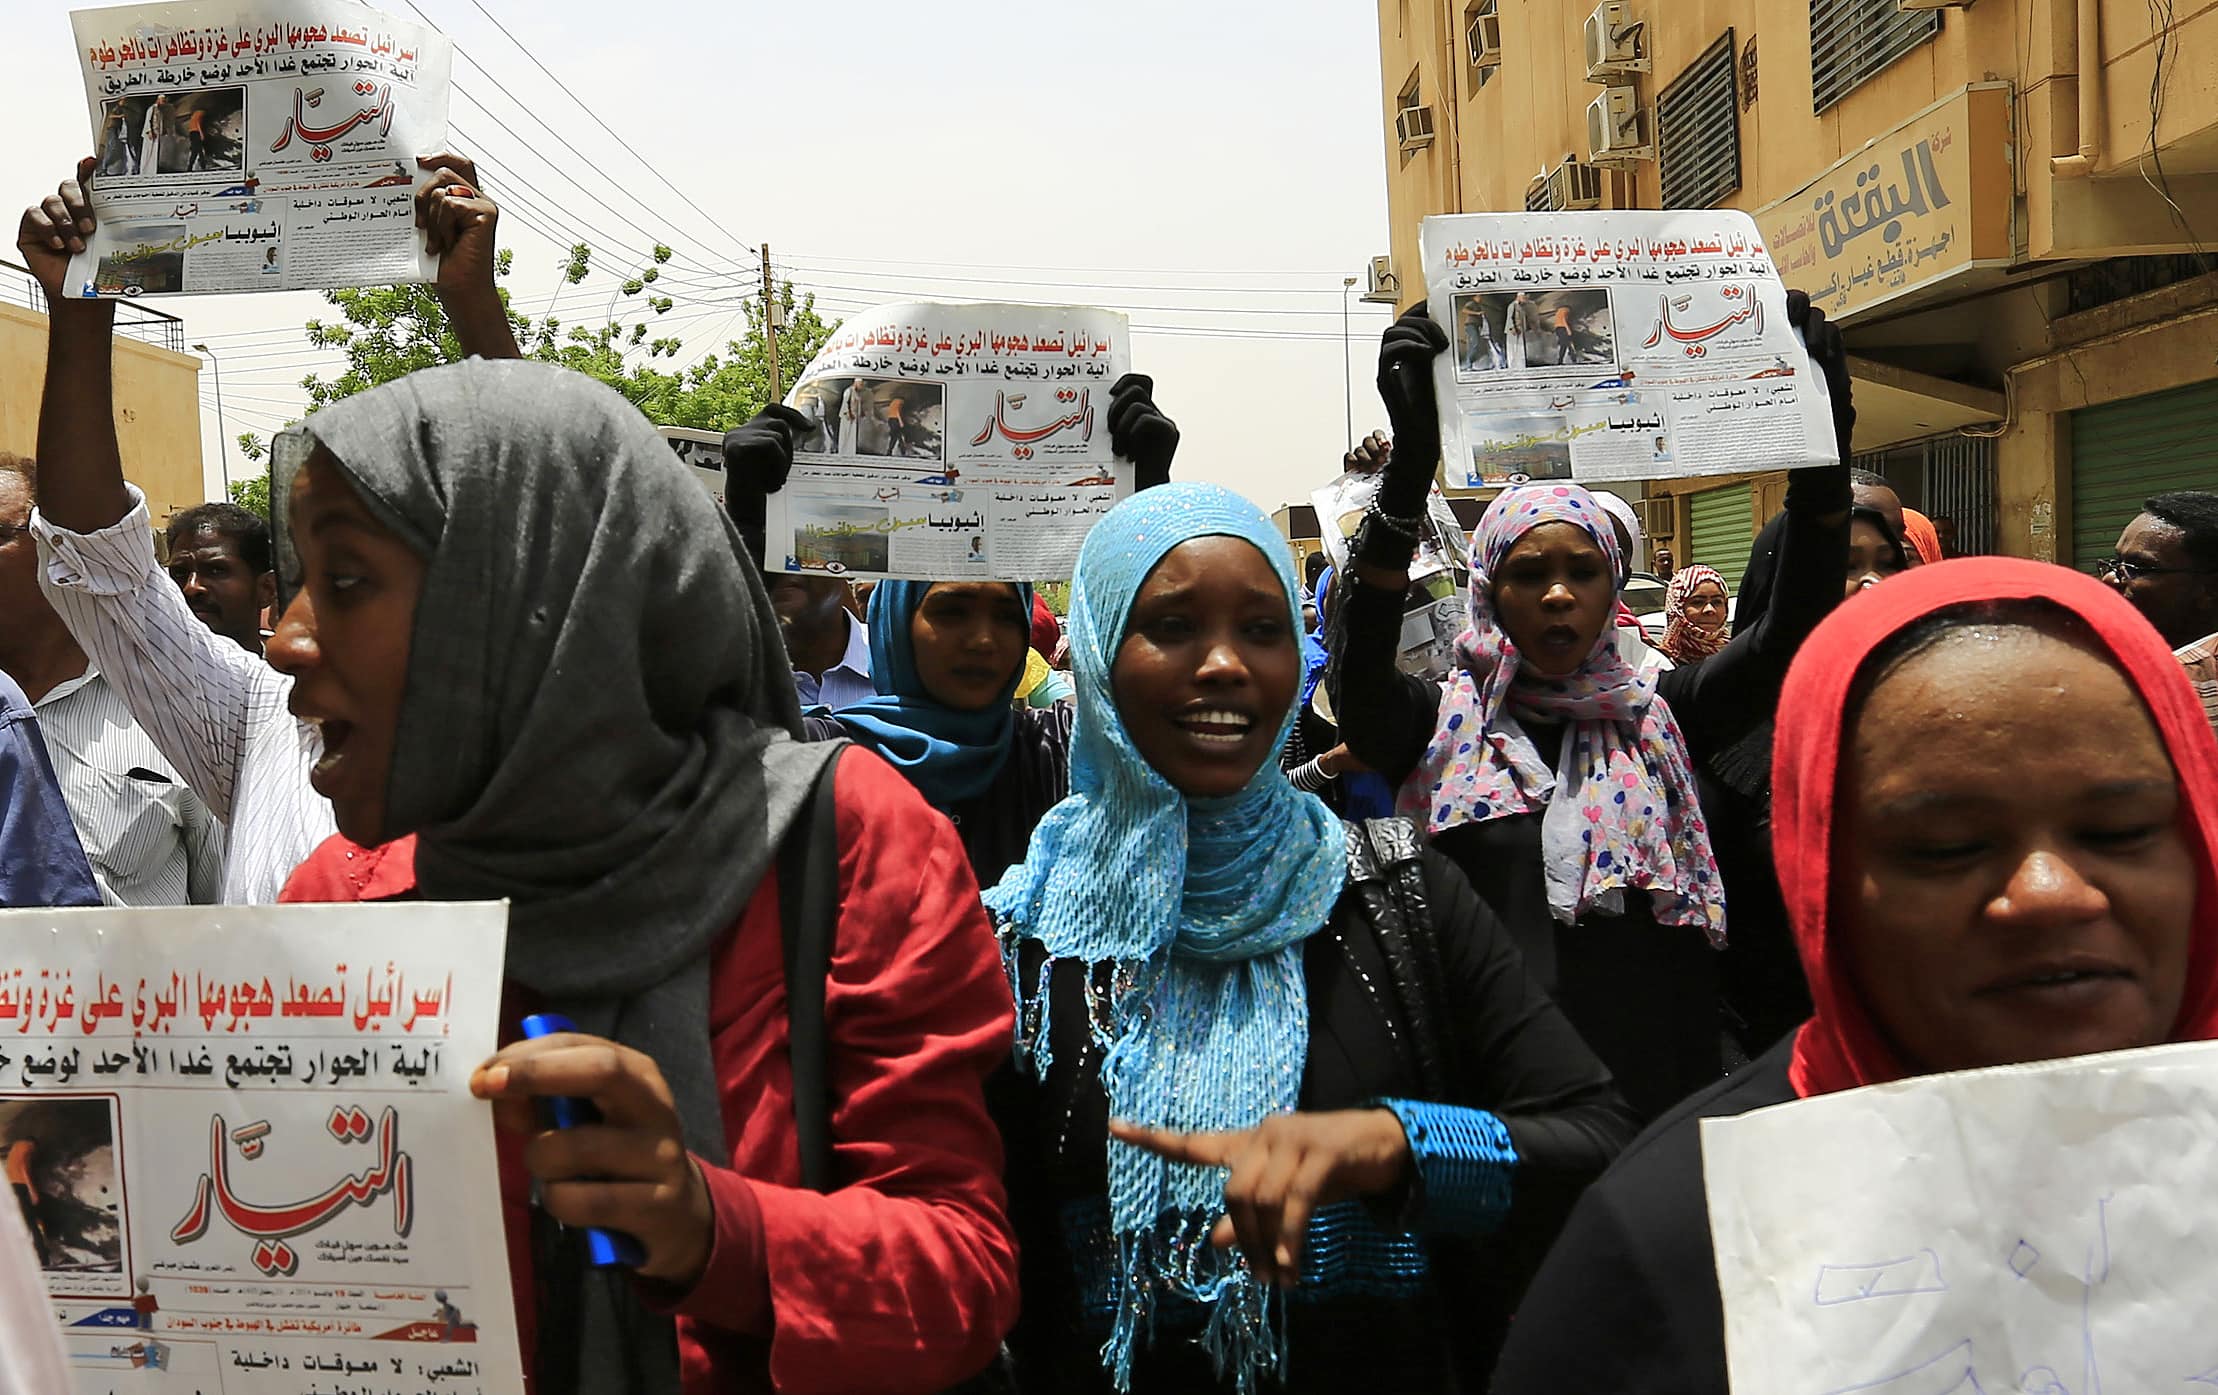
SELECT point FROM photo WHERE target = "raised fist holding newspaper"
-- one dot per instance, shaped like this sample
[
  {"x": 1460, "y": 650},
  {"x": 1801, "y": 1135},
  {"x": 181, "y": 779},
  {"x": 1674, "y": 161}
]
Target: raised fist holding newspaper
[
  {"x": 1406, "y": 354},
  {"x": 56, "y": 229},
  {"x": 1829, "y": 353},
  {"x": 461, "y": 224},
  {"x": 1140, "y": 432},
  {"x": 757, "y": 459}
]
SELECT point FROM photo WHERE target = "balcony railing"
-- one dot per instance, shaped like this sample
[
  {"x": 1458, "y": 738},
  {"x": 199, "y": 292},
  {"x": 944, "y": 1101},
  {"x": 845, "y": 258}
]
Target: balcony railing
[{"x": 133, "y": 319}]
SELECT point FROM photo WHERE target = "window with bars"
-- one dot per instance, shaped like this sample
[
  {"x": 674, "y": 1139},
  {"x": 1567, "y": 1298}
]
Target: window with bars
[
  {"x": 1698, "y": 131},
  {"x": 1852, "y": 40}
]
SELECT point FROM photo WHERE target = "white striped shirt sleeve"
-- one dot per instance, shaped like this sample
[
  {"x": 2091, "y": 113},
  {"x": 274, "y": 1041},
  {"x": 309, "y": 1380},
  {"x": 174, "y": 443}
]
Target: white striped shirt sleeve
[{"x": 191, "y": 690}]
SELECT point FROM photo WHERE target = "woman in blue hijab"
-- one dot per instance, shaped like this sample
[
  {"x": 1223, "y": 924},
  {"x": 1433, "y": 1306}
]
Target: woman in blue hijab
[
  {"x": 946, "y": 658},
  {"x": 1277, "y": 1070}
]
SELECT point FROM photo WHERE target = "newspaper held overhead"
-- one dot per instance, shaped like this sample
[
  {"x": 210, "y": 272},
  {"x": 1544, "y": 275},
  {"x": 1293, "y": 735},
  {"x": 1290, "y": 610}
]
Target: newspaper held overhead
[
  {"x": 702, "y": 452},
  {"x": 953, "y": 443},
  {"x": 1435, "y": 612},
  {"x": 256, "y": 145},
  {"x": 2042, "y": 1228},
  {"x": 1617, "y": 346},
  {"x": 243, "y": 1142}
]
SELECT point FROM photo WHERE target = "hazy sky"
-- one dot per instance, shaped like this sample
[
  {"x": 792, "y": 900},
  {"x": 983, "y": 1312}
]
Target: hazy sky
[{"x": 1212, "y": 168}]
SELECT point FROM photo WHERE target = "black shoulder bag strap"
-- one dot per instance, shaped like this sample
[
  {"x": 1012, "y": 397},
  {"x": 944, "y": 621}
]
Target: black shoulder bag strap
[{"x": 808, "y": 916}]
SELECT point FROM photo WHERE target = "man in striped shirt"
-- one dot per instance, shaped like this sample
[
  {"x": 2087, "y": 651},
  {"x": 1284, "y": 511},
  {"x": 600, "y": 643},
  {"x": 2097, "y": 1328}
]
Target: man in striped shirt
[
  {"x": 216, "y": 712},
  {"x": 151, "y": 841}
]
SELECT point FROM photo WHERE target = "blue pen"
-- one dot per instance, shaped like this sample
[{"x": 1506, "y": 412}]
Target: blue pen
[{"x": 605, "y": 1249}]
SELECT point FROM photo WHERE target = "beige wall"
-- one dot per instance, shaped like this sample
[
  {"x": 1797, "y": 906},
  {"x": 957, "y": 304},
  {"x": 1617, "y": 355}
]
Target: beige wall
[
  {"x": 157, "y": 409},
  {"x": 2154, "y": 343},
  {"x": 1532, "y": 111},
  {"x": 1990, "y": 328}
]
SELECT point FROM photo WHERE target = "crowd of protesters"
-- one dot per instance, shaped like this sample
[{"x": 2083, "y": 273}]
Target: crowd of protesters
[{"x": 1212, "y": 1004}]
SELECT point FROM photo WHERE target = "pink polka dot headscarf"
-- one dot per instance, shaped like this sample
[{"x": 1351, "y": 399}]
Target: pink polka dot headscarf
[{"x": 1618, "y": 805}]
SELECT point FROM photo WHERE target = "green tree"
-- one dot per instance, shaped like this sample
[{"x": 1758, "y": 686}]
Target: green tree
[
  {"x": 252, "y": 493},
  {"x": 385, "y": 332}
]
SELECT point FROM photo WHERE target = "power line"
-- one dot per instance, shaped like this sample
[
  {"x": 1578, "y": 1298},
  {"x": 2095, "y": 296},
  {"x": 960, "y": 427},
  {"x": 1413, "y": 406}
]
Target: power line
[
  {"x": 815, "y": 265},
  {"x": 536, "y": 213},
  {"x": 652, "y": 238},
  {"x": 1091, "y": 271},
  {"x": 886, "y": 293},
  {"x": 843, "y": 305},
  {"x": 560, "y": 139},
  {"x": 744, "y": 244}
]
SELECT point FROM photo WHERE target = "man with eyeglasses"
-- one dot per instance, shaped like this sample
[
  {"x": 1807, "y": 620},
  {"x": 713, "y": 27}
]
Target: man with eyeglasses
[{"x": 2167, "y": 566}]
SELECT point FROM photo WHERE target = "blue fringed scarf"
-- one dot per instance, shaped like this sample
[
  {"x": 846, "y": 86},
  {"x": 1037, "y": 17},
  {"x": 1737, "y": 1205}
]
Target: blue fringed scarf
[
  {"x": 947, "y": 753},
  {"x": 1201, "y": 908}
]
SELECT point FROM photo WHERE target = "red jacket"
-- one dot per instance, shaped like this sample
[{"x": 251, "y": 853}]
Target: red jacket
[{"x": 905, "y": 1278}]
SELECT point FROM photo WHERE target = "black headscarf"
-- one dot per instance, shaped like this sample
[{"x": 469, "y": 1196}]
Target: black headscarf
[{"x": 1745, "y": 766}]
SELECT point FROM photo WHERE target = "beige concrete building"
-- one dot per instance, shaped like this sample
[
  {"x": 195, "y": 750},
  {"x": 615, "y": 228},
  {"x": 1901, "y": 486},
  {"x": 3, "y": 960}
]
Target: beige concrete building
[
  {"x": 2010, "y": 206},
  {"x": 157, "y": 402}
]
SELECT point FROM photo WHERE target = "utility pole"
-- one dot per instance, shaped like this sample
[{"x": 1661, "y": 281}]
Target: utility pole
[
  {"x": 772, "y": 316},
  {"x": 223, "y": 433},
  {"x": 1347, "y": 364}
]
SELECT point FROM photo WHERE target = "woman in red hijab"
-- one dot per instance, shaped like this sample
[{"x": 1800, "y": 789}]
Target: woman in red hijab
[{"x": 2047, "y": 891}]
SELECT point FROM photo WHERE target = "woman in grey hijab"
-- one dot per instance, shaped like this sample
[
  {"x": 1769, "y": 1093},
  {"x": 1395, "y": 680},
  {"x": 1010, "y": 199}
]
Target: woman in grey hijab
[{"x": 534, "y": 643}]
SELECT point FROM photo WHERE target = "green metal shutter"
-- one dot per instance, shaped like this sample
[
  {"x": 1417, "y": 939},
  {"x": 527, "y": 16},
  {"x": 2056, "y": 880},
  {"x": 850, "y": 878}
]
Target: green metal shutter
[
  {"x": 2126, "y": 451},
  {"x": 1721, "y": 529}
]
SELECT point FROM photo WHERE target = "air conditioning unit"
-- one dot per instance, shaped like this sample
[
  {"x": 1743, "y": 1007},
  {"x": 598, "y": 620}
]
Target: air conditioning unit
[
  {"x": 1383, "y": 287},
  {"x": 1484, "y": 40},
  {"x": 1657, "y": 517},
  {"x": 1574, "y": 185},
  {"x": 1616, "y": 43},
  {"x": 1413, "y": 125},
  {"x": 1617, "y": 128}
]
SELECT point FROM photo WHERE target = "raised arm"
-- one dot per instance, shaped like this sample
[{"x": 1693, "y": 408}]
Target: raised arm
[
  {"x": 1387, "y": 716},
  {"x": 459, "y": 222},
  {"x": 81, "y": 484},
  {"x": 190, "y": 689}
]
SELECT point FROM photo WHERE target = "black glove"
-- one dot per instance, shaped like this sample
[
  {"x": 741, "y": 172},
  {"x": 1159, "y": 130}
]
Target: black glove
[
  {"x": 757, "y": 459},
  {"x": 1406, "y": 354},
  {"x": 1369, "y": 456},
  {"x": 1140, "y": 432},
  {"x": 1830, "y": 353}
]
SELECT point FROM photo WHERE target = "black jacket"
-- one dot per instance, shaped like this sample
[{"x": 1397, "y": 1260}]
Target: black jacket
[
  {"x": 1511, "y": 1052},
  {"x": 1628, "y": 1299}
]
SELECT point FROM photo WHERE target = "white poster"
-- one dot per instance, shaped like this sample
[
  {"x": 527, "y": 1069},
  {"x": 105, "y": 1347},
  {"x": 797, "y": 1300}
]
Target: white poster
[
  {"x": 1601, "y": 347},
  {"x": 954, "y": 443},
  {"x": 1435, "y": 611},
  {"x": 250, "y": 145},
  {"x": 2035, "y": 1229},
  {"x": 702, "y": 452},
  {"x": 242, "y": 1140}
]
